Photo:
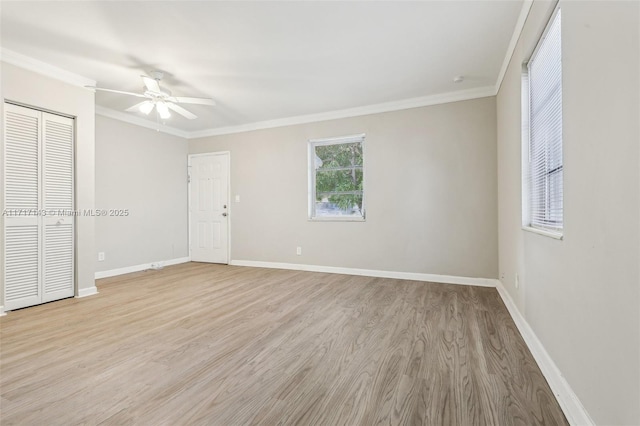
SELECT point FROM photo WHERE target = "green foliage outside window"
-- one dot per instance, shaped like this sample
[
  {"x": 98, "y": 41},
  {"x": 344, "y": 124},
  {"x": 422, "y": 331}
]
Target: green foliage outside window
[{"x": 339, "y": 175}]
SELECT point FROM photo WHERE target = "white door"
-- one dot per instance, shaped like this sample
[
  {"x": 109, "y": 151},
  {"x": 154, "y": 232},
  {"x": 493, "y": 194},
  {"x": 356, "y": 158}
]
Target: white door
[
  {"x": 209, "y": 207},
  {"x": 39, "y": 230},
  {"x": 22, "y": 237},
  {"x": 57, "y": 202}
]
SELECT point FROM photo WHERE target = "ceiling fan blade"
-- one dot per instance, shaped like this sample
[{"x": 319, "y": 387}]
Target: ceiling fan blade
[
  {"x": 199, "y": 101},
  {"x": 183, "y": 112},
  {"x": 136, "y": 107},
  {"x": 116, "y": 91},
  {"x": 151, "y": 84}
]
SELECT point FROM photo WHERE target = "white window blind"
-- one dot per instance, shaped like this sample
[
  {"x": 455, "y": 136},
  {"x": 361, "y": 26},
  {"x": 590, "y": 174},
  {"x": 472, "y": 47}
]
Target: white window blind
[{"x": 545, "y": 131}]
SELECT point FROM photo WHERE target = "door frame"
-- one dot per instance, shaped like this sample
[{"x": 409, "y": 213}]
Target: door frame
[{"x": 230, "y": 215}]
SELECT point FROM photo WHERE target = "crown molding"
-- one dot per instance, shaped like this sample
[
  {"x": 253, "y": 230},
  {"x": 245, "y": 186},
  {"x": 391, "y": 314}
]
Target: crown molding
[
  {"x": 132, "y": 119},
  {"x": 517, "y": 32},
  {"x": 443, "y": 98},
  {"x": 31, "y": 64}
]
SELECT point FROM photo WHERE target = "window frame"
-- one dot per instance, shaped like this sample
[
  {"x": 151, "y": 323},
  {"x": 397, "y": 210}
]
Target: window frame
[
  {"x": 527, "y": 175},
  {"x": 311, "y": 153}
]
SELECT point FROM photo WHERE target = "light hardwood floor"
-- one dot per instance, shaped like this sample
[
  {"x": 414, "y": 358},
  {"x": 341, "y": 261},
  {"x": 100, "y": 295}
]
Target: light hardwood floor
[{"x": 221, "y": 345}]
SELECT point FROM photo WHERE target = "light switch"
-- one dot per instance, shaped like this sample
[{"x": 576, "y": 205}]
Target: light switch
[{"x": 237, "y": 198}]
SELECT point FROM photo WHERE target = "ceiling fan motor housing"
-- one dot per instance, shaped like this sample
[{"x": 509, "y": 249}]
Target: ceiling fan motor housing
[
  {"x": 163, "y": 93},
  {"x": 156, "y": 75}
]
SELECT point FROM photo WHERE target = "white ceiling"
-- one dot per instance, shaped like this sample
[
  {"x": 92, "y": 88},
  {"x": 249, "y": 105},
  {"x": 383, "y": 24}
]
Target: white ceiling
[{"x": 268, "y": 60}]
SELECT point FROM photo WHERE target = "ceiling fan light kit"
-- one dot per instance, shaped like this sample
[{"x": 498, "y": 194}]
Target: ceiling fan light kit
[
  {"x": 160, "y": 98},
  {"x": 146, "y": 107},
  {"x": 163, "y": 110}
]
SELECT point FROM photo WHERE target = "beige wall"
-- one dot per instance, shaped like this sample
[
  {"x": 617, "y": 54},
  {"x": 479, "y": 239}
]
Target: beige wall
[
  {"x": 430, "y": 193},
  {"x": 144, "y": 171},
  {"x": 581, "y": 295},
  {"x": 32, "y": 89}
]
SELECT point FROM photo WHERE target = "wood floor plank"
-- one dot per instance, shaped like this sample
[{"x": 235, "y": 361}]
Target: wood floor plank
[{"x": 202, "y": 344}]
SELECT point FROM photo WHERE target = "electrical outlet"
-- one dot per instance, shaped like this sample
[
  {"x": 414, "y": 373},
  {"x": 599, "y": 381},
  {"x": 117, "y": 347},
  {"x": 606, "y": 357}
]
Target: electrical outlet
[
  {"x": 517, "y": 280},
  {"x": 502, "y": 277},
  {"x": 237, "y": 198},
  {"x": 101, "y": 256},
  {"x": 298, "y": 251}
]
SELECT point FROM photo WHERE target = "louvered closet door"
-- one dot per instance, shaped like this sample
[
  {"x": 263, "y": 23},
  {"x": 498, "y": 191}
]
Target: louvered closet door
[
  {"x": 57, "y": 201},
  {"x": 39, "y": 224},
  {"x": 22, "y": 202}
]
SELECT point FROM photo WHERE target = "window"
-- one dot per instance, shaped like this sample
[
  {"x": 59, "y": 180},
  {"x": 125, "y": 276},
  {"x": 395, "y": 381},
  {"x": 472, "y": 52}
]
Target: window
[
  {"x": 336, "y": 178},
  {"x": 542, "y": 117}
]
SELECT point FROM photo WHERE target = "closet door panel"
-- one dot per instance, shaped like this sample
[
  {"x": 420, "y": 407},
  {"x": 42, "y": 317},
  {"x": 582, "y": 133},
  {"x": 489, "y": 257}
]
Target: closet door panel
[
  {"x": 58, "y": 230},
  {"x": 22, "y": 202},
  {"x": 58, "y": 262},
  {"x": 22, "y": 275},
  {"x": 58, "y": 162},
  {"x": 22, "y": 159}
]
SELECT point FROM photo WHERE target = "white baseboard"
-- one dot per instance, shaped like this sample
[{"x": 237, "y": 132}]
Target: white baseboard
[
  {"x": 573, "y": 409},
  {"x": 138, "y": 268},
  {"x": 2, "y": 312},
  {"x": 85, "y": 292},
  {"x": 445, "y": 279}
]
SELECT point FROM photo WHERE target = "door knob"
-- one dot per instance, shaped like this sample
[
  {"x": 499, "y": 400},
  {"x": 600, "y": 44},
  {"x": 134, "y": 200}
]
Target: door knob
[{"x": 224, "y": 214}]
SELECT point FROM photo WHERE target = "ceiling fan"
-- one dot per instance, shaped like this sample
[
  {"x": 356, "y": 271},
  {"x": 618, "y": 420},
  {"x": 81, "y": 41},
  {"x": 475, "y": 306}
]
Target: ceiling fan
[{"x": 159, "y": 98}]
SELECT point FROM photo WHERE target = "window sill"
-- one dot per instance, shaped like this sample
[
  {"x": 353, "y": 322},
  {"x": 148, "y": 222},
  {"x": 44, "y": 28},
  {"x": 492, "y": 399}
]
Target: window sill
[
  {"x": 551, "y": 234},
  {"x": 336, "y": 219}
]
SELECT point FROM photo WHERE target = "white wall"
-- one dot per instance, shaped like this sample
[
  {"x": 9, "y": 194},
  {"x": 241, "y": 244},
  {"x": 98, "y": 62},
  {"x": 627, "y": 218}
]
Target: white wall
[
  {"x": 430, "y": 193},
  {"x": 144, "y": 171},
  {"x": 36, "y": 90},
  {"x": 581, "y": 295}
]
